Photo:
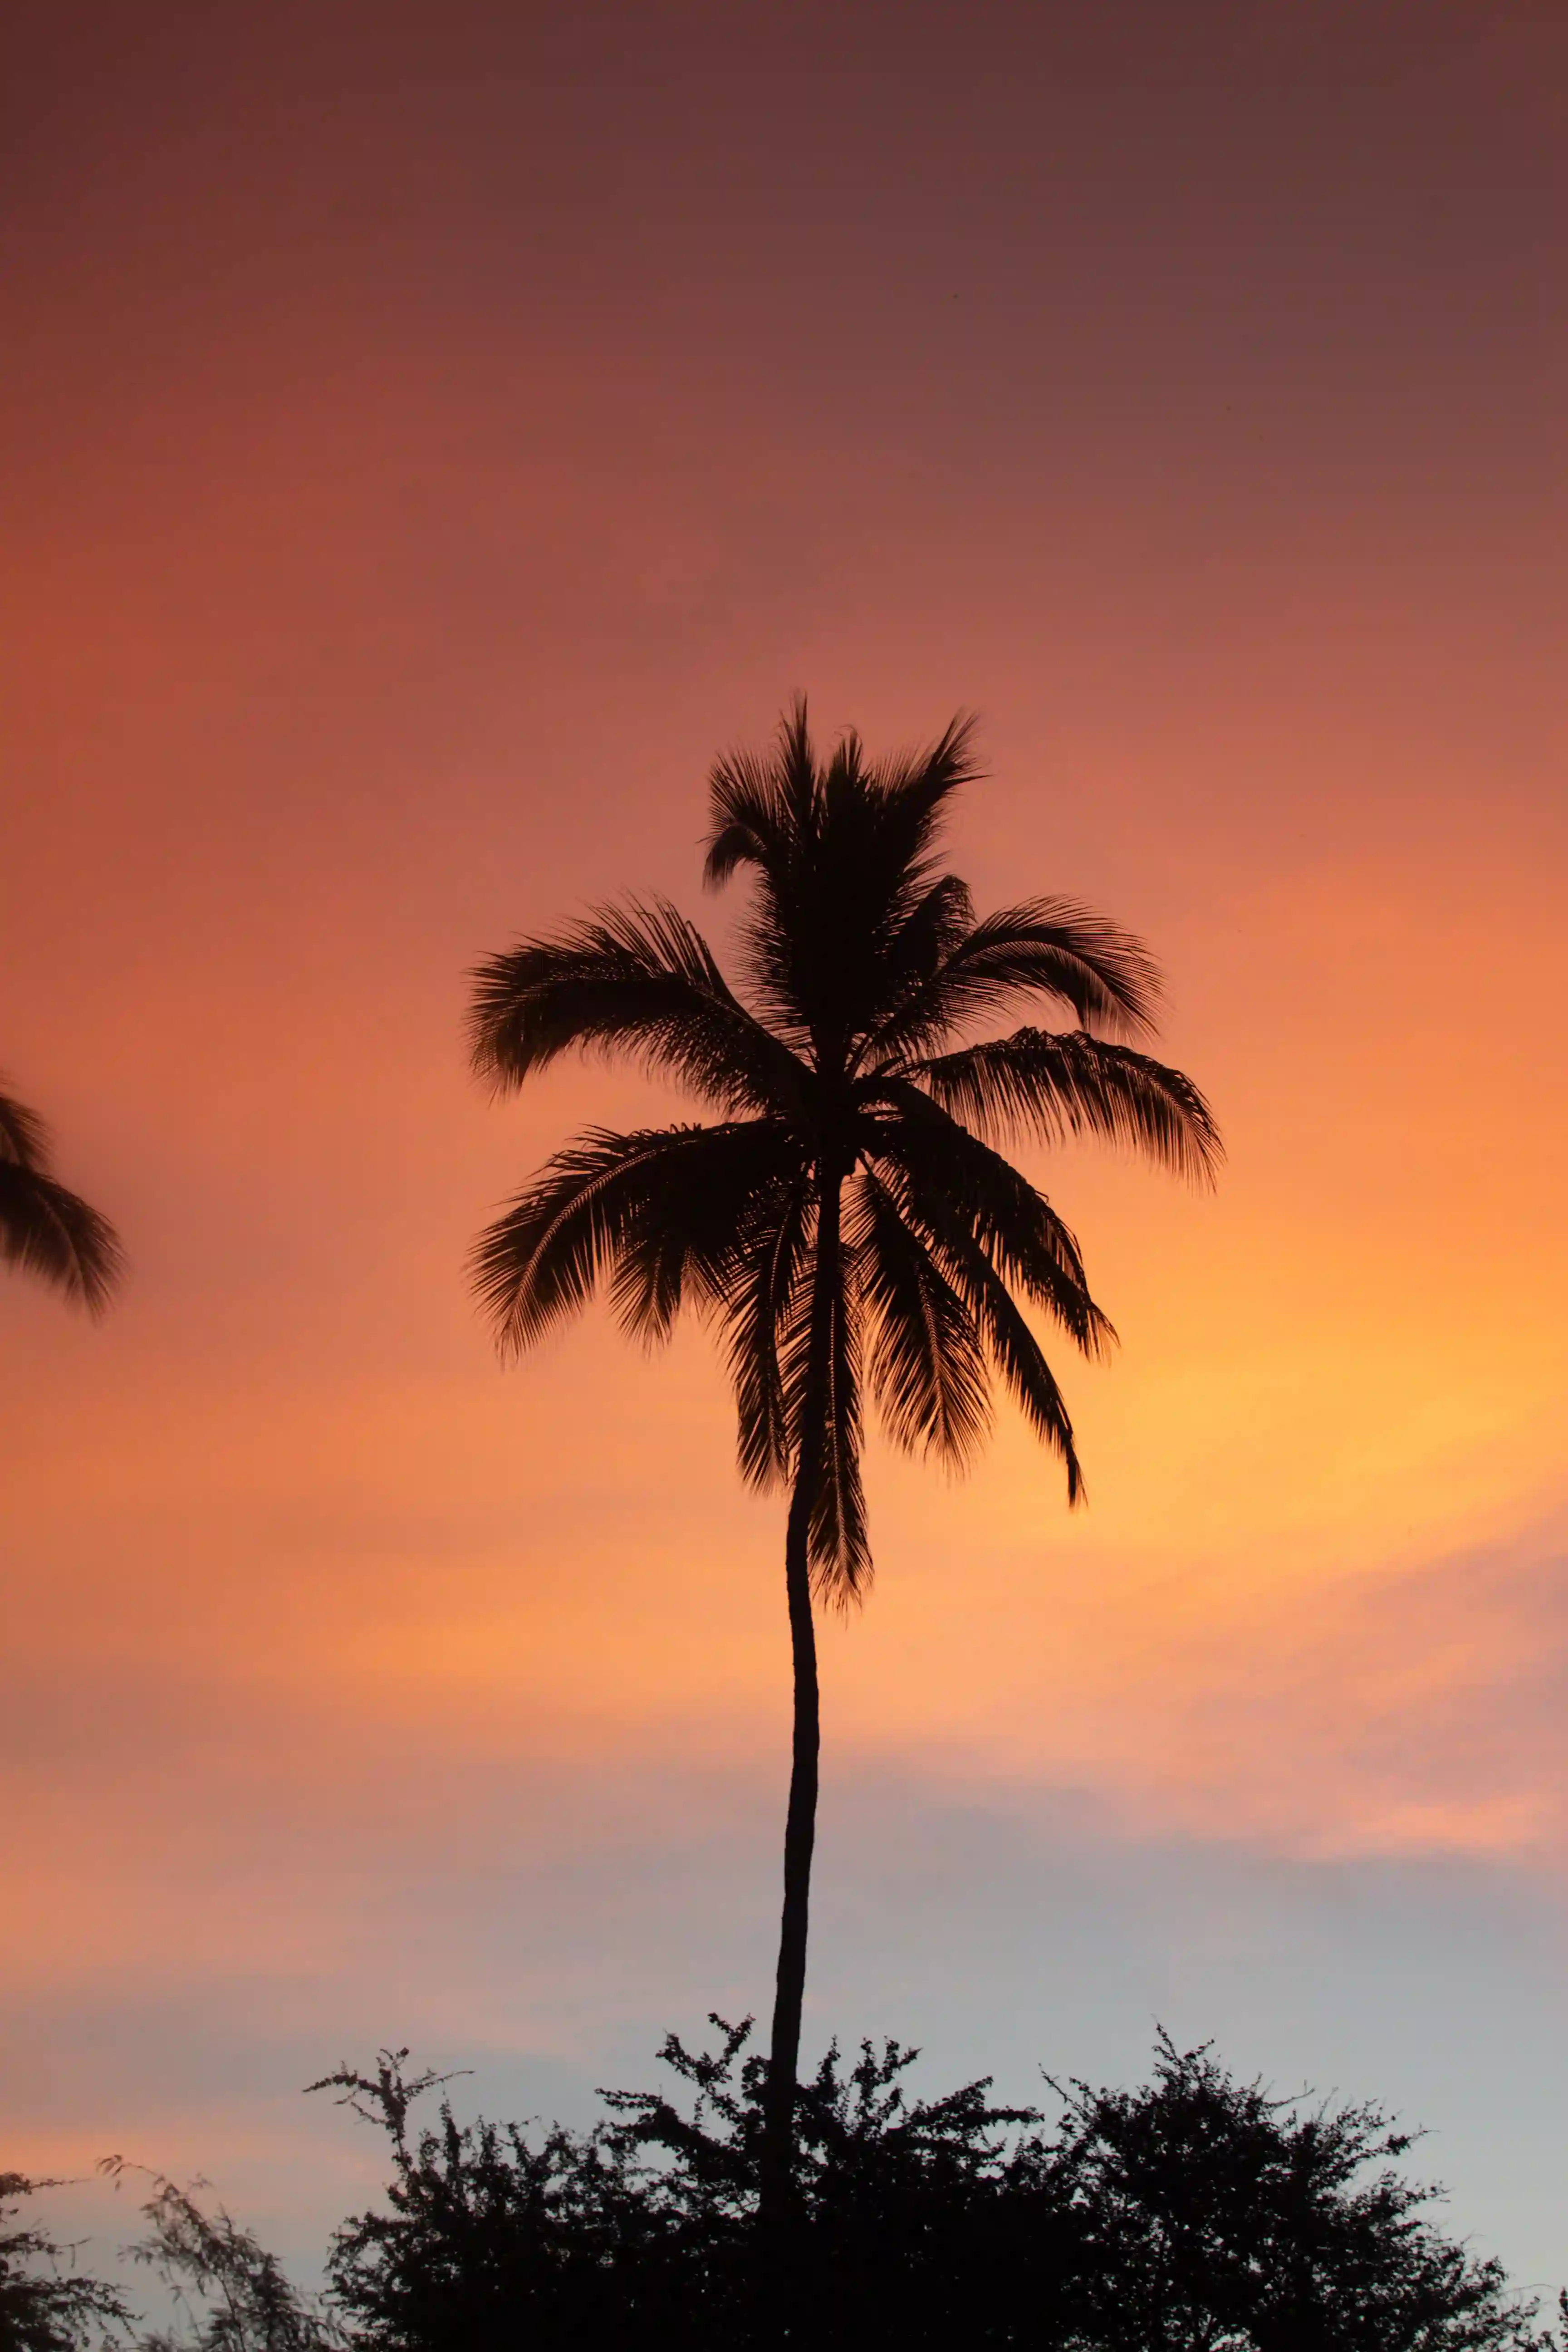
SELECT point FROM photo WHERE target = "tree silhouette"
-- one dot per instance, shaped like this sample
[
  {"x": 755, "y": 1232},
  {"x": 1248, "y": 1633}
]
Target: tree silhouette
[
  {"x": 47, "y": 2305},
  {"x": 230, "y": 2292},
  {"x": 1194, "y": 2213},
  {"x": 846, "y": 1222},
  {"x": 45, "y": 1229}
]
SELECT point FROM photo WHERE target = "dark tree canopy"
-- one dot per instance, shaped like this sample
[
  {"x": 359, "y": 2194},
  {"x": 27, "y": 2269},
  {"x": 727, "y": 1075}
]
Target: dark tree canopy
[
  {"x": 222, "y": 2290},
  {"x": 47, "y": 2304},
  {"x": 1194, "y": 2214}
]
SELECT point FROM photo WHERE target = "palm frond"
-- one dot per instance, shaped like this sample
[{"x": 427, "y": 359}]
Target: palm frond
[
  {"x": 1052, "y": 1085},
  {"x": 637, "y": 979},
  {"x": 842, "y": 871},
  {"x": 955, "y": 1184},
  {"x": 1046, "y": 947},
  {"x": 955, "y": 1247},
  {"x": 49, "y": 1232},
  {"x": 760, "y": 809},
  {"x": 838, "y": 1542},
  {"x": 707, "y": 1210},
  {"x": 1021, "y": 1361},
  {"x": 656, "y": 1212},
  {"x": 919, "y": 942},
  {"x": 912, "y": 789},
  {"x": 25, "y": 1138},
  {"x": 767, "y": 1309},
  {"x": 819, "y": 1369},
  {"x": 1016, "y": 1352},
  {"x": 926, "y": 1366}
]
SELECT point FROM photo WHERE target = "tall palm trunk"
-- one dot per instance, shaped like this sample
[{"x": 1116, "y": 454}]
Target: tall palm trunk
[{"x": 800, "y": 1822}]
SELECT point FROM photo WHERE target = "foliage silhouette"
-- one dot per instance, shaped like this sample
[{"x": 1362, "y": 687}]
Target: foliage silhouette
[
  {"x": 1195, "y": 2214},
  {"x": 230, "y": 2294},
  {"x": 45, "y": 1230},
  {"x": 846, "y": 1222},
  {"x": 1192, "y": 2214},
  {"x": 47, "y": 2305}
]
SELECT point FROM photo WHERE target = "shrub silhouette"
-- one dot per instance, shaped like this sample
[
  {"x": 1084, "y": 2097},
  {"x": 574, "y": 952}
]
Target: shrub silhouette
[
  {"x": 229, "y": 2293},
  {"x": 47, "y": 2305},
  {"x": 1193, "y": 2214},
  {"x": 226, "y": 2292}
]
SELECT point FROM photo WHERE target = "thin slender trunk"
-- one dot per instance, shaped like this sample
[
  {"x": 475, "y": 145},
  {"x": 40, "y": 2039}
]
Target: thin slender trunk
[{"x": 800, "y": 1822}]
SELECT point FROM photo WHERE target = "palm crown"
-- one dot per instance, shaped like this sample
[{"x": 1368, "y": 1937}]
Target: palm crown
[{"x": 847, "y": 1220}]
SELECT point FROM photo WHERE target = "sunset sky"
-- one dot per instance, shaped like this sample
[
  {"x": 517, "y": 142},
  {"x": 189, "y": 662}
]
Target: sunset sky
[{"x": 433, "y": 432}]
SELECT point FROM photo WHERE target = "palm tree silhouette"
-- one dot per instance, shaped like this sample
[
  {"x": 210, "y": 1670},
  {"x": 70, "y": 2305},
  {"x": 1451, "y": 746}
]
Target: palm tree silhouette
[
  {"x": 845, "y": 1222},
  {"x": 45, "y": 1229}
]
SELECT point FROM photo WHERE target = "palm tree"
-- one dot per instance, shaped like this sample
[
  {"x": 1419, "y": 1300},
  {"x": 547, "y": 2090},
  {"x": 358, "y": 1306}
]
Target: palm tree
[
  {"x": 45, "y": 1229},
  {"x": 846, "y": 1221}
]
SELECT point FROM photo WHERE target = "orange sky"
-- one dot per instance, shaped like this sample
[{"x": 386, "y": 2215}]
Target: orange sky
[{"x": 432, "y": 433}]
